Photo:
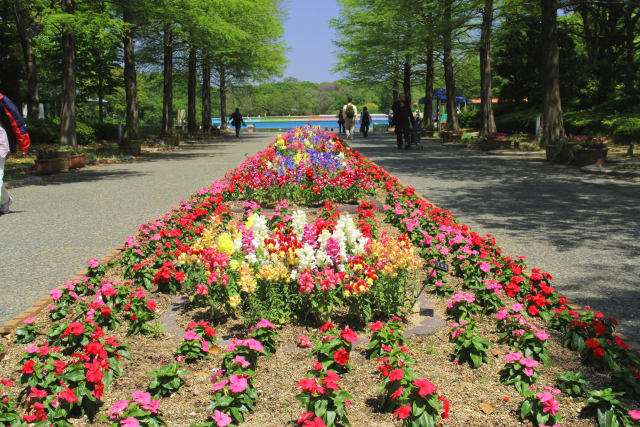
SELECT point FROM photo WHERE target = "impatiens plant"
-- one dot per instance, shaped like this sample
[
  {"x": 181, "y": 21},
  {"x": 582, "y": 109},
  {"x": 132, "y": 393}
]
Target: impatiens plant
[
  {"x": 607, "y": 409},
  {"x": 572, "y": 383},
  {"x": 519, "y": 371},
  {"x": 470, "y": 346},
  {"x": 27, "y": 333},
  {"x": 541, "y": 406},
  {"x": 265, "y": 333},
  {"x": 322, "y": 397},
  {"x": 139, "y": 410},
  {"x": 385, "y": 335},
  {"x": 463, "y": 307},
  {"x": 232, "y": 399},
  {"x": 333, "y": 350},
  {"x": 166, "y": 380},
  {"x": 199, "y": 337},
  {"x": 8, "y": 414},
  {"x": 139, "y": 312}
]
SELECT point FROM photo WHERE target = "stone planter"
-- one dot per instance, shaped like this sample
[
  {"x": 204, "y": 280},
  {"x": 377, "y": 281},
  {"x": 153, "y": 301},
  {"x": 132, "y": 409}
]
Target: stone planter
[
  {"x": 48, "y": 166},
  {"x": 590, "y": 156},
  {"x": 78, "y": 161},
  {"x": 250, "y": 128},
  {"x": 559, "y": 153},
  {"x": 173, "y": 140},
  {"x": 65, "y": 160}
]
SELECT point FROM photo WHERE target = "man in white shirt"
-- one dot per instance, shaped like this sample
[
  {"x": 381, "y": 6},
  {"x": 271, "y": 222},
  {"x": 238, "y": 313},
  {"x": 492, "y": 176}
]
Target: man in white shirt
[
  {"x": 5, "y": 199},
  {"x": 350, "y": 114}
]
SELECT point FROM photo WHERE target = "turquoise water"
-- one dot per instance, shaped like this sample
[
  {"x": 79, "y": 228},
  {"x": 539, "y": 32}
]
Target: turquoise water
[{"x": 284, "y": 125}]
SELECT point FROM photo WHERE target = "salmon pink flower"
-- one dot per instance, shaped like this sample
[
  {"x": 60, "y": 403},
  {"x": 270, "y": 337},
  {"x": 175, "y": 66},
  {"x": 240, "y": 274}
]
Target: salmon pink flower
[
  {"x": 129, "y": 422},
  {"x": 425, "y": 387},
  {"x": 219, "y": 385},
  {"x": 221, "y": 418},
  {"x": 348, "y": 335}
]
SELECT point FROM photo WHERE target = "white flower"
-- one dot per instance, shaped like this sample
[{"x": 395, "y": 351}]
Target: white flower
[{"x": 298, "y": 222}]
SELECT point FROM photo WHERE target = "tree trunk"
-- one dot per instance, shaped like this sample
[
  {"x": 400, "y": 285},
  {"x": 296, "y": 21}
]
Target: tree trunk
[
  {"x": 192, "y": 125},
  {"x": 486, "y": 108},
  {"x": 167, "y": 90},
  {"x": 68, "y": 109},
  {"x": 552, "y": 125},
  {"x": 26, "y": 39},
  {"x": 406, "y": 79},
  {"x": 427, "y": 123},
  {"x": 130, "y": 79},
  {"x": 223, "y": 98},
  {"x": 100, "y": 99},
  {"x": 452, "y": 113},
  {"x": 206, "y": 94}
]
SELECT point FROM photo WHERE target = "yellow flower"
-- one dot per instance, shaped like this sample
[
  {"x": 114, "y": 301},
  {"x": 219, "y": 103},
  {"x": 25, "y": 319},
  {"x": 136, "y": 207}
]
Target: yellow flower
[
  {"x": 182, "y": 258},
  {"x": 234, "y": 301},
  {"x": 225, "y": 243},
  {"x": 233, "y": 264}
]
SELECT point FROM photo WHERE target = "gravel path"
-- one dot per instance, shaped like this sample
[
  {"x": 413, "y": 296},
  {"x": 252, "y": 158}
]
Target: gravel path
[
  {"x": 583, "y": 229},
  {"x": 54, "y": 228}
]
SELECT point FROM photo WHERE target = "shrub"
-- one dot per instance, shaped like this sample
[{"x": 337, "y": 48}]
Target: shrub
[
  {"x": 43, "y": 131},
  {"x": 108, "y": 131},
  {"x": 85, "y": 134},
  {"x": 470, "y": 119}
]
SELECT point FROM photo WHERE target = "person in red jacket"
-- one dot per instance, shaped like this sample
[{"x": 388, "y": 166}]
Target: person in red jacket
[{"x": 13, "y": 137}]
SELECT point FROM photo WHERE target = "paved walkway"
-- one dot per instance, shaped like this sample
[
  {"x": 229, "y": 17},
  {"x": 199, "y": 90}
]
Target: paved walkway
[
  {"x": 584, "y": 230},
  {"x": 54, "y": 228}
]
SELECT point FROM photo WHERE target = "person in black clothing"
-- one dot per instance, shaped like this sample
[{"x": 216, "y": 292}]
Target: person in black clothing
[
  {"x": 365, "y": 121},
  {"x": 237, "y": 121},
  {"x": 340, "y": 122},
  {"x": 403, "y": 121}
]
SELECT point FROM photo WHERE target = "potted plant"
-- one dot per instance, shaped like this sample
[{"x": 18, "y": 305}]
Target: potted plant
[
  {"x": 47, "y": 161},
  {"x": 590, "y": 152},
  {"x": 451, "y": 135},
  {"x": 496, "y": 141},
  {"x": 561, "y": 151},
  {"x": 78, "y": 158}
]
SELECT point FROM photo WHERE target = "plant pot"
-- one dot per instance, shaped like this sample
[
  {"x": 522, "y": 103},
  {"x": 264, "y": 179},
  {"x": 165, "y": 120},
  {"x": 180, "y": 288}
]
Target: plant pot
[
  {"x": 590, "y": 156},
  {"x": 48, "y": 166},
  {"x": 78, "y": 161},
  {"x": 173, "y": 140},
  {"x": 65, "y": 160},
  {"x": 427, "y": 133},
  {"x": 497, "y": 144},
  {"x": 451, "y": 137},
  {"x": 559, "y": 153}
]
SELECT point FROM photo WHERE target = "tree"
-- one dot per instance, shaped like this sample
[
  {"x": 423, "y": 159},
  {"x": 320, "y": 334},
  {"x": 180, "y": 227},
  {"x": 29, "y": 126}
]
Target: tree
[
  {"x": 486, "y": 93},
  {"x": 192, "y": 124},
  {"x": 447, "y": 62},
  {"x": 552, "y": 125},
  {"x": 130, "y": 78},
  {"x": 68, "y": 107}
]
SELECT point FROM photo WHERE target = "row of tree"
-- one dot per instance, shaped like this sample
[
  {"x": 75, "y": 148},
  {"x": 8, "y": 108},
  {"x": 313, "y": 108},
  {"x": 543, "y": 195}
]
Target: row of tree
[
  {"x": 96, "y": 48},
  {"x": 546, "y": 52}
]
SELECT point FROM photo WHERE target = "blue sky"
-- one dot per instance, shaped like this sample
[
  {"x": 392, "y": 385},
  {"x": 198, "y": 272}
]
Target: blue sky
[{"x": 309, "y": 38}]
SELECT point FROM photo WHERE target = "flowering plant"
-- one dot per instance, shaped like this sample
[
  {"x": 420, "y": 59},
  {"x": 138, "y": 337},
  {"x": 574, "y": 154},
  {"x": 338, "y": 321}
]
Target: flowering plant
[
  {"x": 8, "y": 414},
  {"x": 138, "y": 410},
  {"x": 541, "y": 406},
  {"x": 385, "y": 336},
  {"x": 232, "y": 399},
  {"x": 322, "y": 397},
  {"x": 332, "y": 352},
  {"x": 242, "y": 355},
  {"x": 140, "y": 310},
  {"x": 462, "y": 306},
  {"x": 265, "y": 333},
  {"x": 27, "y": 333},
  {"x": 519, "y": 371},
  {"x": 198, "y": 339},
  {"x": 469, "y": 344},
  {"x": 572, "y": 383}
]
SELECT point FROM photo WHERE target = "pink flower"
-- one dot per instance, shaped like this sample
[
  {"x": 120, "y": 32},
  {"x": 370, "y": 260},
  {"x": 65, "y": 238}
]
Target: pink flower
[
  {"x": 117, "y": 408},
  {"x": 528, "y": 372},
  {"x": 550, "y": 406},
  {"x": 219, "y": 385},
  {"x": 238, "y": 383},
  {"x": 253, "y": 344},
  {"x": 241, "y": 360},
  {"x": 141, "y": 398},
  {"x": 191, "y": 335},
  {"x": 55, "y": 294},
  {"x": 425, "y": 387},
  {"x": 528, "y": 362},
  {"x": 517, "y": 307},
  {"x": 205, "y": 345},
  {"x": 635, "y": 415},
  {"x": 511, "y": 357},
  {"x": 221, "y": 418},
  {"x": 264, "y": 323},
  {"x": 130, "y": 422},
  {"x": 29, "y": 320},
  {"x": 502, "y": 313},
  {"x": 32, "y": 349},
  {"x": 484, "y": 266},
  {"x": 541, "y": 335},
  {"x": 93, "y": 263},
  {"x": 304, "y": 341}
]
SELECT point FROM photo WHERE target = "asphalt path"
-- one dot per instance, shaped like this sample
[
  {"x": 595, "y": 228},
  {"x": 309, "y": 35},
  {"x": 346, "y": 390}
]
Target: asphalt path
[
  {"x": 54, "y": 228},
  {"x": 582, "y": 229}
]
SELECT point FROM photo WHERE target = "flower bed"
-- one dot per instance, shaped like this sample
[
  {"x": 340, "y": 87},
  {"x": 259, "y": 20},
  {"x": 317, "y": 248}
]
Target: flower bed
[{"x": 294, "y": 236}]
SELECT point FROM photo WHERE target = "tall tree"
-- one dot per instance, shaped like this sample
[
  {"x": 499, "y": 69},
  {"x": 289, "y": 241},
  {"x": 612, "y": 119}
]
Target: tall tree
[
  {"x": 167, "y": 92},
  {"x": 447, "y": 62},
  {"x": 68, "y": 107},
  {"x": 206, "y": 93},
  {"x": 552, "y": 124},
  {"x": 192, "y": 124},
  {"x": 486, "y": 108},
  {"x": 130, "y": 77}
]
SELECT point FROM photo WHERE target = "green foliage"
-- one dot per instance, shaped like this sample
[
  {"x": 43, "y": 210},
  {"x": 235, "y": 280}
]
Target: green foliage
[
  {"x": 607, "y": 409},
  {"x": 572, "y": 383},
  {"x": 470, "y": 119},
  {"x": 166, "y": 380}
]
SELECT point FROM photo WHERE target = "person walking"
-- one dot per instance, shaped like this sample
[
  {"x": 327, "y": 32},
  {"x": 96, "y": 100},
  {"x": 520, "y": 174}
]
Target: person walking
[
  {"x": 13, "y": 136},
  {"x": 350, "y": 114},
  {"x": 365, "y": 121},
  {"x": 340, "y": 122},
  {"x": 237, "y": 121},
  {"x": 403, "y": 121}
]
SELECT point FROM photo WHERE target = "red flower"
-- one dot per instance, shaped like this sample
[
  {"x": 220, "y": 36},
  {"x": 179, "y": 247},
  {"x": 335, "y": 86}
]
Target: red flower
[
  {"x": 445, "y": 407},
  {"x": 348, "y": 335},
  {"x": 598, "y": 352},
  {"x": 105, "y": 311},
  {"x": 316, "y": 422},
  {"x": 425, "y": 387},
  {"x": 69, "y": 395},
  {"x": 533, "y": 310},
  {"x": 396, "y": 375},
  {"x": 326, "y": 326},
  {"x": 397, "y": 393},
  {"x": 151, "y": 305},
  {"x": 28, "y": 367},
  {"x": 592, "y": 343},
  {"x": 375, "y": 327},
  {"x": 341, "y": 357},
  {"x": 599, "y": 328},
  {"x": 402, "y": 412},
  {"x": 75, "y": 328},
  {"x": 304, "y": 417}
]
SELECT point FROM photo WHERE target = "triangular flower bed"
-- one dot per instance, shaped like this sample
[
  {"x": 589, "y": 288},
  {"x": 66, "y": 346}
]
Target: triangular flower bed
[{"x": 285, "y": 292}]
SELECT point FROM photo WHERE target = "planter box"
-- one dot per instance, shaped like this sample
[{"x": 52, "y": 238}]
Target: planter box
[
  {"x": 427, "y": 133},
  {"x": 496, "y": 144},
  {"x": 78, "y": 161},
  {"x": 590, "y": 156},
  {"x": 48, "y": 166},
  {"x": 451, "y": 137},
  {"x": 559, "y": 154},
  {"x": 172, "y": 140}
]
